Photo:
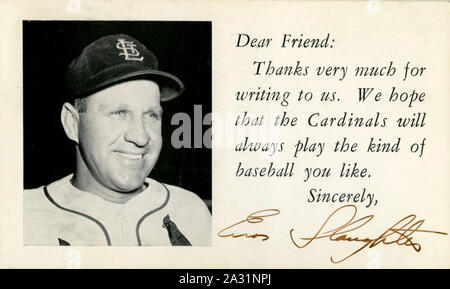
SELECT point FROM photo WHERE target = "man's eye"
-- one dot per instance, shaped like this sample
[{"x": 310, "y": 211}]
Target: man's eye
[
  {"x": 120, "y": 113},
  {"x": 153, "y": 115}
]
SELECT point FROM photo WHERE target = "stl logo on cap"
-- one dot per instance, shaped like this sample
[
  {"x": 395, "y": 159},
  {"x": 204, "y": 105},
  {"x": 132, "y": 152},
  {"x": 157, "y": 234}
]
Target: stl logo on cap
[{"x": 129, "y": 50}]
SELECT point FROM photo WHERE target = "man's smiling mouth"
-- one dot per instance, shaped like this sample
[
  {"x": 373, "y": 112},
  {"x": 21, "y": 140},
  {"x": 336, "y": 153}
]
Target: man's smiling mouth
[{"x": 130, "y": 156}]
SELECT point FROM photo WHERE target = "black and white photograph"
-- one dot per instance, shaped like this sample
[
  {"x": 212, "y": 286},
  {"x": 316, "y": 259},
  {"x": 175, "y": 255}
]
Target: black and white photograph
[{"x": 117, "y": 148}]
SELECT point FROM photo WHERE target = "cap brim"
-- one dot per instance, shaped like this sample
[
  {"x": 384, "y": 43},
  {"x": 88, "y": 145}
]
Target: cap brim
[{"x": 170, "y": 86}]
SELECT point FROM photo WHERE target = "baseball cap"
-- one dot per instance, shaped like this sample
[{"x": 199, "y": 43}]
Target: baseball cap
[{"x": 113, "y": 59}]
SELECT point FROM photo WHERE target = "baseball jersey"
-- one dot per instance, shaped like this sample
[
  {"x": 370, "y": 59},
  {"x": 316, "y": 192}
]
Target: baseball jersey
[{"x": 161, "y": 215}]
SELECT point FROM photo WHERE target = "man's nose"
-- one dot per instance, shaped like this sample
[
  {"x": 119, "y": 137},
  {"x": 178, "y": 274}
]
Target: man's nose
[{"x": 137, "y": 134}]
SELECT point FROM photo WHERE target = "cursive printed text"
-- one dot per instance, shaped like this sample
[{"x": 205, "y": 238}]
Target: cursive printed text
[
  {"x": 401, "y": 233},
  {"x": 256, "y": 217}
]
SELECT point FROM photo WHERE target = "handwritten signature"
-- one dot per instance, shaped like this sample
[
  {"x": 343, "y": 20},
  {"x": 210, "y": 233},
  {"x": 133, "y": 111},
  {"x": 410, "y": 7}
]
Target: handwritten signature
[
  {"x": 256, "y": 217},
  {"x": 401, "y": 233}
]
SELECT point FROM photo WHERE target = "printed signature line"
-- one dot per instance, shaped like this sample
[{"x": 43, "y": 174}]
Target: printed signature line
[{"x": 400, "y": 234}]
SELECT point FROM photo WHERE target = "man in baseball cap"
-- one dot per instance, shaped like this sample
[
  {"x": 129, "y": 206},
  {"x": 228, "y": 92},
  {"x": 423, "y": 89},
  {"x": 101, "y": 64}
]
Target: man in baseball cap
[{"x": 114, "y": 118}]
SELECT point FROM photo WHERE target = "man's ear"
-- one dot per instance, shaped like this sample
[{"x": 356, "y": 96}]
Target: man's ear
[{"x": 69, "y": 120}]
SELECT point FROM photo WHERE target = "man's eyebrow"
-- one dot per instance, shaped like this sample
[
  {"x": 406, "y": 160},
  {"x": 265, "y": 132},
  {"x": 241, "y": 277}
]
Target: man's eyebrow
[
  {"x": 158, "y": 110},
  {"x": 109, "y": 106}
]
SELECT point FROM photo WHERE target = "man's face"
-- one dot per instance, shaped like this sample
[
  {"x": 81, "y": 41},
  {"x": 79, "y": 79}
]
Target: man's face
[{"x": 120, "y": 134}]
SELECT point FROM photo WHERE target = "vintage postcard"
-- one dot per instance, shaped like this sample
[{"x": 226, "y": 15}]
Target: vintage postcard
[{"x": 225, "y": 134}]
